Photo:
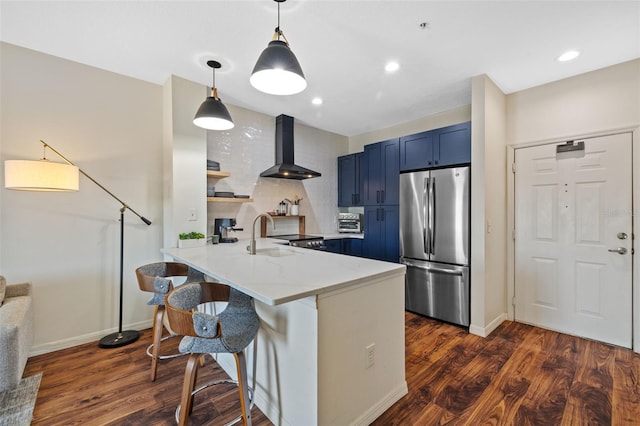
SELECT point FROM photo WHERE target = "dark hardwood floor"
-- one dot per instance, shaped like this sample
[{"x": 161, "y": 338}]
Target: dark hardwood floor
[{"x": 520, "y": 375}]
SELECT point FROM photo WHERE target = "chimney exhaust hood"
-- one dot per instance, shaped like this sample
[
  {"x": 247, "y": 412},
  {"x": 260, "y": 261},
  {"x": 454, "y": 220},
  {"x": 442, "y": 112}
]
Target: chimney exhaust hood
[{"x": 285, "y": 168}]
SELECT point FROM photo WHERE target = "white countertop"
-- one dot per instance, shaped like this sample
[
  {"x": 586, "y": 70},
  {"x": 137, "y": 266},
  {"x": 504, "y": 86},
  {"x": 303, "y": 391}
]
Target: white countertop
[{"x": 280, "y": 273}]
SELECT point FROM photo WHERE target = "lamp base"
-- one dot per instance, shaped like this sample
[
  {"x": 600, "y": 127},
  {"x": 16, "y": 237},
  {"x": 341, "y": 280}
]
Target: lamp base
[{"x": 115, "y": 340}]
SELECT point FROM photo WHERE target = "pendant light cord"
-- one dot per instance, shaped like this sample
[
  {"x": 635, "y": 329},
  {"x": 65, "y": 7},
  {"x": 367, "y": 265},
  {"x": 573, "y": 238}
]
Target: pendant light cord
[
  {"x": 278, "y": 31},
  {"x": 214, "y": 91},
  {"x": 278, "y": 28}
]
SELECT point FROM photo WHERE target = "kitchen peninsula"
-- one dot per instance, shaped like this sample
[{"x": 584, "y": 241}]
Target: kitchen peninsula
[{"x": 331, "y": 344}]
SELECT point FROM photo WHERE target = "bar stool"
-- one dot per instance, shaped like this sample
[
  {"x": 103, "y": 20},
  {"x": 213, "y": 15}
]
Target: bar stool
[
  {"x": 231, "y": 331},
  {"x": 156, "y": 278}
]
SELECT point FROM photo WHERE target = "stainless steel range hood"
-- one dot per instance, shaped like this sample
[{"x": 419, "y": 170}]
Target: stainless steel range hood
[{"x": 285, "y": 167}]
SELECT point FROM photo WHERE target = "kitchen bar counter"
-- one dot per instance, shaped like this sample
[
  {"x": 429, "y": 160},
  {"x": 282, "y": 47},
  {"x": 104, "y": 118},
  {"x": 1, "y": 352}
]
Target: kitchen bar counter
[
  {"x": 330, "y": 350},
  {"x": 280, "y": 273}
]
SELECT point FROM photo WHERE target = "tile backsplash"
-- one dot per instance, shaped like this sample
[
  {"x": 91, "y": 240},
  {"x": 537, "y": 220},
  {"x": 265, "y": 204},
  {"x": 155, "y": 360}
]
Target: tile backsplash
[{"x": 249, "y": 148}]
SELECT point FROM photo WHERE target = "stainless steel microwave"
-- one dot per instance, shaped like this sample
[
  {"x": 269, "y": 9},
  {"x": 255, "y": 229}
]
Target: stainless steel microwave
[{"x": 350, "y": 223}]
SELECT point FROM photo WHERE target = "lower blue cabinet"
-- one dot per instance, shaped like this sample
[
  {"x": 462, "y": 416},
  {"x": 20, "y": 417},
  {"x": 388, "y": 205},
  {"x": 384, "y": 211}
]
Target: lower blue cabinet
[
  {"x": 352, "y": 246},
  {"x": 382, "y": 233},
  {"x": 334, "y": 246}
]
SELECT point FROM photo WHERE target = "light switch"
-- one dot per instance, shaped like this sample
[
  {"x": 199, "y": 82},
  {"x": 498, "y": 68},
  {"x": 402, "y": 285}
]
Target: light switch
[{"x": 193, "y": 214}]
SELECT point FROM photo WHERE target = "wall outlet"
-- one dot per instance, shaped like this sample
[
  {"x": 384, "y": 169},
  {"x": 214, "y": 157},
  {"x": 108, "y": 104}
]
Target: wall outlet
[
  {"x": 369, "y": 355},
  {"x": 193, "y": 214}
]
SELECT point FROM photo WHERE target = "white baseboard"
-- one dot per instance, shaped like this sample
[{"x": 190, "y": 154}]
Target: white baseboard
[
  {"x": 488, "y": 329},
  {"x": 383, "y": 405},
  {"x": 85, "y": 338}
]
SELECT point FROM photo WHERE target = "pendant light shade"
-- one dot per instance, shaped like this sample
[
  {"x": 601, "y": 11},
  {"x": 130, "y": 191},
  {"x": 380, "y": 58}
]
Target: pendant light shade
[
  {"x": 213, "y": 114},
  {"x": 277, "y": 71},
  {"x": 40, "y": 175}
]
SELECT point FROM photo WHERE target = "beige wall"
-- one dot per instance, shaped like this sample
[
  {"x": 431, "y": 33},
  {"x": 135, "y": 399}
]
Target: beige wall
[
  {"x": 597, "y": 101},
  {"x": 488, "y": 207},
  {"x": 67, "y": 244},
  {"x": 185, "y": 147},
  {"x": 436, "y": 121}
]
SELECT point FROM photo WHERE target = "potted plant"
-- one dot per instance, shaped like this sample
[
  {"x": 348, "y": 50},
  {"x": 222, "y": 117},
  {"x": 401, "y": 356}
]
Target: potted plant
[
  {"x": 191, "y": 239},
  {"x": 295, "y": 204}
]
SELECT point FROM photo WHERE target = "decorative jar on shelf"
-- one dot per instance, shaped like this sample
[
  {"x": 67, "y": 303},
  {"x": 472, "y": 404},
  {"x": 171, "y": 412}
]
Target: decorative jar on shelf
[{"x": 294, "y": 210}]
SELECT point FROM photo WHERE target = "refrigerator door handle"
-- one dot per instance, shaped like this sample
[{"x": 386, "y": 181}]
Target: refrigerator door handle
[
  {"x": 432, "y": 216},
  {"x": 430, "y": 268},
  {"x": 425, "y": 216}
]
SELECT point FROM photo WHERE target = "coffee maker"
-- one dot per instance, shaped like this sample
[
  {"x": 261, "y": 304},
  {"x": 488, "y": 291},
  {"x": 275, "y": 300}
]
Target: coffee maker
[{"x": 221, "y": 227}]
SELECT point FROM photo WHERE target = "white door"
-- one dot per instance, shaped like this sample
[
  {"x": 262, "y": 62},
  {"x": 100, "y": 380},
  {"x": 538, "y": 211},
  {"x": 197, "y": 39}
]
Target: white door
[{"x": 573, "y": 213}]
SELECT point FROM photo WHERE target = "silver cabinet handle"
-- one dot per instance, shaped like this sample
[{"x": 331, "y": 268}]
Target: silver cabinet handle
[{"x": 619, "y": 250}]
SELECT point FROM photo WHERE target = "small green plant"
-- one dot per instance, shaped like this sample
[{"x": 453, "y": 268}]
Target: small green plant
[{"x": 191, "y": 236}]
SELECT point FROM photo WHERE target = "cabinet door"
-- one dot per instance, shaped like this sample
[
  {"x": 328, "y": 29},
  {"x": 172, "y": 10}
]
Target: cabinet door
[
  {"x": 346, "y": 180},
  {"x": 334, "y": 246},
  {"x": 452, "y": 145},
  {"x": 390, "y": 189},
  {"x": 352, "y": 246},
  {"x": 372, "y": 163},
  {"x": 381, "y": 233},
  {"x": 359, "y": 179},
  {"x": 372, "y": 232},
  {"x": 416, "y": 151},
  {"x": 390, "y": 230},
  {"x": 381, "y": 172}
]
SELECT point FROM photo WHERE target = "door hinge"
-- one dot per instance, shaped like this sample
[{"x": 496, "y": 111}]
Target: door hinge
[
  {"x": 513, "y": 301},
  {"x": 513, "y": 167},
  {"x": 513, "y": 234}
]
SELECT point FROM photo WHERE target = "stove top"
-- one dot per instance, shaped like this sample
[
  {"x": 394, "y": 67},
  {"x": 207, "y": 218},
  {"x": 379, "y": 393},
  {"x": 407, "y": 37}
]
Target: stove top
[
  {"x": 304, "y": 241},
  {"x": 296, "y": 237}
]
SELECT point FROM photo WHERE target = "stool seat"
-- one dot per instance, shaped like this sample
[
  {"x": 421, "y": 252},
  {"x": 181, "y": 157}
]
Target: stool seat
[{"x": 229, "y": 332}]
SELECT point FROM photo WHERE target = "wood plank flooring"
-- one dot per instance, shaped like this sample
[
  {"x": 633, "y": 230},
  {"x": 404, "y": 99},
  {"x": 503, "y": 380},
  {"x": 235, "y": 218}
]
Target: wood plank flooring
[
  {"x": 520, "y": 375},
  {"x": 85, "y": 385}
]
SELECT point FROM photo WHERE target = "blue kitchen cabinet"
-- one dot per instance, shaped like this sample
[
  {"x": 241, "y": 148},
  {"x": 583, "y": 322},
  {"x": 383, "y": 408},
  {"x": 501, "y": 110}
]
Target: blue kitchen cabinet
[
  {"x": 381, "y": 233},
  {"x": 334, "y": 246},
  {"x": 452, "y": 144},
  {"x": 442, "y": 147},
  {"x": 381, "y": 173},
  {"x": 352, "y": 246},
  {"x": 350, "y": 180},
  {"x": 416, "y": 151}
]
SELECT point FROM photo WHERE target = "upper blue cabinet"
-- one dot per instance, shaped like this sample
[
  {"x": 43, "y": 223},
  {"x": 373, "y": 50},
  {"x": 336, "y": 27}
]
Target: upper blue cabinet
[
  {"x": 381, "y": 174},
  {"x": 442, "y": 147},
  {"x": 350, "y": 180}
]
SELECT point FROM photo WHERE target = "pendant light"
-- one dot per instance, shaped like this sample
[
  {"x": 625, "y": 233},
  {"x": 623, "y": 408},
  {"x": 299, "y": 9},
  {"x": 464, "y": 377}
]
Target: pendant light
[
  {"x": 212, "y": 114},
  {"x": 278, "y": 71}
]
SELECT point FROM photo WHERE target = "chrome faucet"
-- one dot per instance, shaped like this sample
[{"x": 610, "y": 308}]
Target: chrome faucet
[{"x": 251, "y": 248}]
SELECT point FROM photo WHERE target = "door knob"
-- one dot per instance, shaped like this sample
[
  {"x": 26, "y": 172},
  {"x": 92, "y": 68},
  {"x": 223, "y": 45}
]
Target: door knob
[
  {"x": 622, "y": 235},
  {"x": 619, "y": 250}
]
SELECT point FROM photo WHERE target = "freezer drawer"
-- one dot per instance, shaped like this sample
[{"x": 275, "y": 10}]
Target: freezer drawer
[{"x": 437, "y": 290}]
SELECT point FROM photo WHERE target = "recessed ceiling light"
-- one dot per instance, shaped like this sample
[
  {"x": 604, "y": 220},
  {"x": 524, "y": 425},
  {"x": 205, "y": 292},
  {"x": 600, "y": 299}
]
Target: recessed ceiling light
[
  {"x": 568, "y": 55},
  {"x": 316, "y": 101},
  {"x": 392, "y": 66}
]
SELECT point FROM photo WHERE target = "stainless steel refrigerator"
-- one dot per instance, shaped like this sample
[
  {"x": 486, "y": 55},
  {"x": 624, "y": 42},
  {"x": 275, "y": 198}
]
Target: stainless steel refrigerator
[{"x": 434, "y": 242}]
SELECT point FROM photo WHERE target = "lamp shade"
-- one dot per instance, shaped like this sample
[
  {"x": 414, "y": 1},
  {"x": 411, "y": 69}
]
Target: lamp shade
[
  {"x": 40, "y": 175},
  {"x": 213, "y": 115},
  {"x": 278, "y": 71}
]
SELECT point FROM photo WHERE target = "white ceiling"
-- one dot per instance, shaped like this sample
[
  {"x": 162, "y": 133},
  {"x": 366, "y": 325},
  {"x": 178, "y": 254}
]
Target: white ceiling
[{"x": 341, "y": 45}]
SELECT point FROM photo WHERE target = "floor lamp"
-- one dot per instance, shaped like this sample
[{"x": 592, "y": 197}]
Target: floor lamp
[{"x": 44, "y": 175}]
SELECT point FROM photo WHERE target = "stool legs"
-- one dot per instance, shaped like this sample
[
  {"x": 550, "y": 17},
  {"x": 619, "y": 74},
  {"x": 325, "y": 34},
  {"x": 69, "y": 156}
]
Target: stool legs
[
  {"x": 186, "y": 400},
  {"x": 243, "y": 387},
  {"x": 156, "y": 336}
]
